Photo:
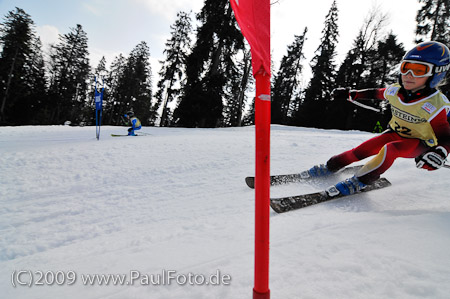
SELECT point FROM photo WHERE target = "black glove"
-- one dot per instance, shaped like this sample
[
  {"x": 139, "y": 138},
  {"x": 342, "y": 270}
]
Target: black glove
[
  {"x": 340, "y": 93},
  {"x": 434, "y": 158}
]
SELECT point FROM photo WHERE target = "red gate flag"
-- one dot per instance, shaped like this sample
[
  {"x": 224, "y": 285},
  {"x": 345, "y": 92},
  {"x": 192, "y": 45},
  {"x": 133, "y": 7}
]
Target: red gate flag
[{"x": 253, "y": 17}]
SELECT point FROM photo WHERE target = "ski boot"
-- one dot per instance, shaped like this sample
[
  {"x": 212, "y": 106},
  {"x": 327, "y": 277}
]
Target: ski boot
[
  {"x": 316, "y": 171},
  {"x": 346, "y": 187}
]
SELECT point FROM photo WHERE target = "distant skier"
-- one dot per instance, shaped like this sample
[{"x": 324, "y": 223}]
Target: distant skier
[
  {"x": 418, "y": 128},
  {"x": 134, "y": 122}
]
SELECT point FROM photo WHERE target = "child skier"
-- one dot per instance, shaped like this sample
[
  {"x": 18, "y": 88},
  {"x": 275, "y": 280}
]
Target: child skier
[
  {"x": 418, "y": 128},
  {"x": 135, "y": 123}
]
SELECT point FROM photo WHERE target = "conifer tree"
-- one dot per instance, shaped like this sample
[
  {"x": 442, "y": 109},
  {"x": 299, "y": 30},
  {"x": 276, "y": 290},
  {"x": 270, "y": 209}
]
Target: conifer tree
[
  {"x": 136, "y": 84},
  {"x": 33, "y": 108},
  {"x": 97, "y": 80},
  {"x": 312, "y": 112},
  {"x": 114, "y": 103},
  {"x": 236, "y": 92},
  {"x": 22, "y": 78},
  {"x": 286, "y": 81},
  {"x": 249, "y": 118},
  {"x": 100, "y": 71},
  {"x": 210, "y": 67},
  {"x": 389, "y": 52},
  {"x": 433, "y": 21},
  {"x": 357, "y": 69},
  {"x": 69, "y": 73},
  {"x": 173, "y": 71}
]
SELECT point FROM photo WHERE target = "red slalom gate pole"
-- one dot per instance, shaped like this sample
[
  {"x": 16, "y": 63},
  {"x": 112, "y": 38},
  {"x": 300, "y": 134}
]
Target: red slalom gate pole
[
  {"x": 262, "y": 185},
  {"x": 253, "y": 17}
]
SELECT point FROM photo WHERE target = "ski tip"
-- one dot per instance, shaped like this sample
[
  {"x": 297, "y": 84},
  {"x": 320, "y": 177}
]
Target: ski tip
[{"x": 250, "y": 181}]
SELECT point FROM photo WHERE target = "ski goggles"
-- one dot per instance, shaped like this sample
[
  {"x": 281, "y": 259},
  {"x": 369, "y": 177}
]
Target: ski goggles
[{"x": 417, "y": 68}]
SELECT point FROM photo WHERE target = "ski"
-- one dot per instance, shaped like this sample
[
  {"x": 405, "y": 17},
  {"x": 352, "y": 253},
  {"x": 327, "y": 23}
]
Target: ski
[
  {"x": 118, "y": 135},
  {"x": 296, "y": 177},
  {"x": 285, "y": 204}
]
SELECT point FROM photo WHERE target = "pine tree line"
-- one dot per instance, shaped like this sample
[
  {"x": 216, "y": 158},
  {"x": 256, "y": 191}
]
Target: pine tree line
[
  {"x": 371, "y": 62},
  {"x": 61, "y": 89},
  {"x": 203, "y": 83}
]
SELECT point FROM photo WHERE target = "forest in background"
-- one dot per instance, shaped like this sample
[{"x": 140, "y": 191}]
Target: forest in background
[{"x": 203, "y": 81}]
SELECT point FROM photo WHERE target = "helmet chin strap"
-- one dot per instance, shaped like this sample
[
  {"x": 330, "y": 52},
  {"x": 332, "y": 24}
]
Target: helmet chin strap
[{"x": 428, "y": 83}]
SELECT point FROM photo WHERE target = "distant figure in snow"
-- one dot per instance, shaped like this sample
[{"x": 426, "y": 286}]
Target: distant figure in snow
[
  {"x": 418, "y": 128},
  {"x": 134, "y": 121}
]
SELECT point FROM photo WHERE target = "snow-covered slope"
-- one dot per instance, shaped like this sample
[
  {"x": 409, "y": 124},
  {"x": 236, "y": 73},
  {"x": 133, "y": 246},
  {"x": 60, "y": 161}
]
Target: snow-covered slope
[{"x": 175, "y": 204}]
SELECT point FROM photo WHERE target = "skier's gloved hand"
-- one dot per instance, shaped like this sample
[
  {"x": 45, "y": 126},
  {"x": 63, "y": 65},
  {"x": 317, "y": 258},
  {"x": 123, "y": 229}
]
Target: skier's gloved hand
[
  {"x": 352, "y": 95},
  {"x": 340, "y": 93},
  {"x": 432, "y": 159}
]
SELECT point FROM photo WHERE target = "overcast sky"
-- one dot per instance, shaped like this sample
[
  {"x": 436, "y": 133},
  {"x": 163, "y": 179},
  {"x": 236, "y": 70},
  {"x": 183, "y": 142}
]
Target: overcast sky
[{"x": 117, "y": 26}]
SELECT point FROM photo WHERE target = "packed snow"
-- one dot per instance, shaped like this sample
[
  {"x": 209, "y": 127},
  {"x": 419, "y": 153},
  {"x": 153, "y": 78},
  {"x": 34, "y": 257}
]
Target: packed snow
[{"x": 173, "y": 205}]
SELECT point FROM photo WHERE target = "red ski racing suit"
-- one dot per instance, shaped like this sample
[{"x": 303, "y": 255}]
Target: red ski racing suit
[{"x": 419, "y": 123}]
